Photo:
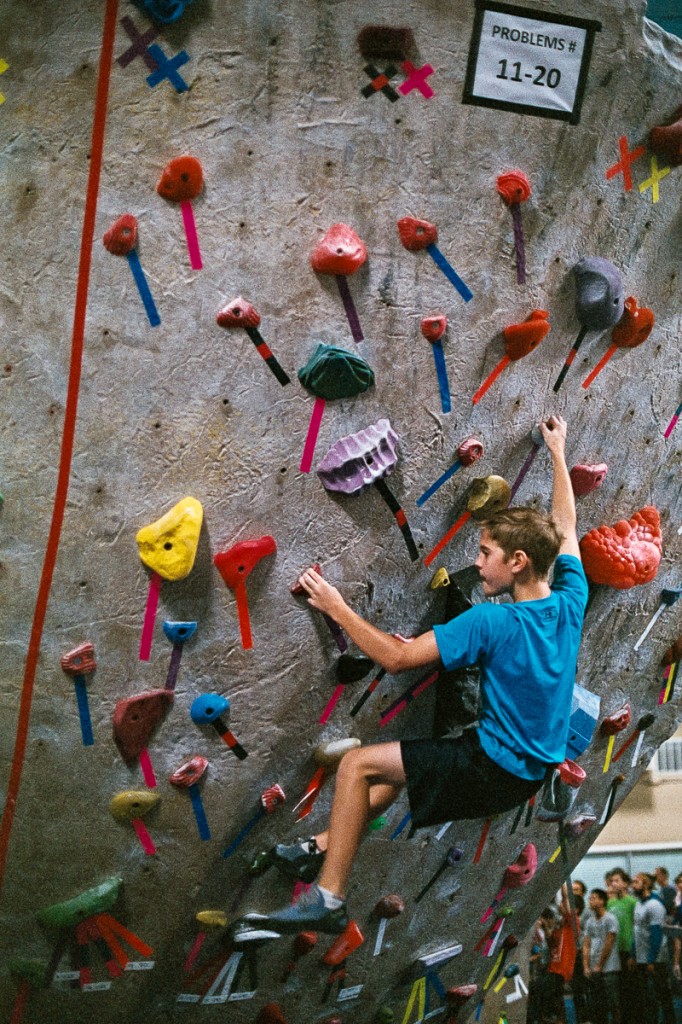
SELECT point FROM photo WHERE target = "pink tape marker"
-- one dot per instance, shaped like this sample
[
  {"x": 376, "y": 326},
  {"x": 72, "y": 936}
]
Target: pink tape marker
[
  {"x": 671, "y": 426},
  {"x": 146, "y": 841},
  {"x": 147, "y": 769},
  {"x": 311, "y": 437},
  {"x": 194, "y": 952},
  {"x": 150, "y": 616},
  {"x": 191, "y": 235}
]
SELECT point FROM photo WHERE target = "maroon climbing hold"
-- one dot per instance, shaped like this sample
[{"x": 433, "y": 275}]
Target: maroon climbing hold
[
  {"x": 434, "y": 327},
  {"x": 672, "y": 653},
  {"x": 586, "y": 479},
  {"x": 417, "y": 234},
  {"x": 616, "y": 722},
  {"x": 385, "y": 42},
  {"x": 271, "y": 1013},
  {"x": 389, "y": 906},
  {"x": 666, "y": 140},
  {"x": 470, "y": 451},
  {"x": 121, "y": 238},
  {"x": 135, "y": 719}
]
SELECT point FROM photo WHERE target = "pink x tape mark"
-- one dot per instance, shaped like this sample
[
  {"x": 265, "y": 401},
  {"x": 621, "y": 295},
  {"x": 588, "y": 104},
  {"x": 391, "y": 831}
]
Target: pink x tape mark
[{"x": 416, "y": 79}]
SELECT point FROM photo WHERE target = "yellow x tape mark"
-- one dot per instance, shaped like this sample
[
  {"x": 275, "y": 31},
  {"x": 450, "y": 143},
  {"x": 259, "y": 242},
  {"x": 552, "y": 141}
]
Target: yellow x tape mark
[{"x": 652, "y": 182}]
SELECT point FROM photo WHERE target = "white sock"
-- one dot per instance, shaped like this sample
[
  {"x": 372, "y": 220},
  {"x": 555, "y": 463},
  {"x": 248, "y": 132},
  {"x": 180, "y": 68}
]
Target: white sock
[{"x": 331, "y": 901}]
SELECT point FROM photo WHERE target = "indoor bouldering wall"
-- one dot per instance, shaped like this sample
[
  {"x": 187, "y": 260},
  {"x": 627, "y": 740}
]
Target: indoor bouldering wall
[{"x": 175, "y": 371}]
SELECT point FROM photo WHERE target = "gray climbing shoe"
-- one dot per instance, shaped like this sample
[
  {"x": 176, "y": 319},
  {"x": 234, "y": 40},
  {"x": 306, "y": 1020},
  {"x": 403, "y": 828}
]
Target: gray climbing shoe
[{"x": 309, "y": 912}]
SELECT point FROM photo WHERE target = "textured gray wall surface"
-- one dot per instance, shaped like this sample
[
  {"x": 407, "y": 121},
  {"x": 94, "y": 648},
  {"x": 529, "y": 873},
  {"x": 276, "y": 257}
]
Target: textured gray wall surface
[{"x": 290, "y": 146}]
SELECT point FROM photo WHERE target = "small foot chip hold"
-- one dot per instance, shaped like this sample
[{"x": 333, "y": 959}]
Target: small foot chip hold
[{"x": 440, "y": 579}]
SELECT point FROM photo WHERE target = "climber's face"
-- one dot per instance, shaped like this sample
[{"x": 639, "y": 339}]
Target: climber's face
[{"x": 495, "y": 569}]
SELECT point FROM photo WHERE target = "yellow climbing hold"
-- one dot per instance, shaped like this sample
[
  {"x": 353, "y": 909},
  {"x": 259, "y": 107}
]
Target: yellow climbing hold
[
  {"x": 169, "y": 546},
  {"x": 440, "y": 579},
  {"x": 133, "y": 803},
  {"x": 212, "y": 918}
]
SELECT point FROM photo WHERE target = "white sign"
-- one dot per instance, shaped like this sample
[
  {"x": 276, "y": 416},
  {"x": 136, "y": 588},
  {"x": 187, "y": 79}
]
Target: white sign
[{"x": 528, "y": 61}]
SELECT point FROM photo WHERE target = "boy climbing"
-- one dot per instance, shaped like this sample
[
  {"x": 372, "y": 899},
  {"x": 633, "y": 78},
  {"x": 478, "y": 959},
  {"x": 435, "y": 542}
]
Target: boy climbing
[{"x": 526, "y": 650}]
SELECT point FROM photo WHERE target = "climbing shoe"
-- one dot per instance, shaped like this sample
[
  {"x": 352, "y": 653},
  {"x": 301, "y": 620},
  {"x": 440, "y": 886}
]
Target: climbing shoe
[
  {"x": 301, "y": 861},
  {"x": 308, "y": 912}
]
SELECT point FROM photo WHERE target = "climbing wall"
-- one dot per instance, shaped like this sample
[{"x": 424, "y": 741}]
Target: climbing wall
[{"x": 121, "y": 383}]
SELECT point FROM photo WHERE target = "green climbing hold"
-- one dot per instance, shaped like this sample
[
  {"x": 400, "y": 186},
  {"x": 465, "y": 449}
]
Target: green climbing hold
[
  {"x": 72, "y": 912},
  {"x": 332, "y": 372},
  {"x": 377, "y": 823}
]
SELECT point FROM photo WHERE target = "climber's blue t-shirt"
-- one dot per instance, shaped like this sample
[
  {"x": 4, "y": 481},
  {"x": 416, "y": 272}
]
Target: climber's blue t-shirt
[{"x": 527, "y": 653}]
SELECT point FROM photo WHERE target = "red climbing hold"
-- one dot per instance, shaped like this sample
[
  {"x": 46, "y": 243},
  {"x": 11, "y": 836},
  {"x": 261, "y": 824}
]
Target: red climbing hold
[
  {"x": 182, "y": 179},
  {"x": 121, "y": 238},
  {"x": 417, "y": 234},
  {"x": 520, "y": 339}
]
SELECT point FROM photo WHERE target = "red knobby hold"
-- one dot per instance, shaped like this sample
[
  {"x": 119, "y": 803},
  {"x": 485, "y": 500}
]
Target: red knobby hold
[
  {"x": 339, "y": 251},
  {"x": 238, "y": 313},
  {"x": 470, "y": 451},
  {"x": 417, "y": 234},
  {"x": 121, "y": 238},
  {"x": 635, "y": 325},
  {"x": 520, "y": 339},
  {"x": 182, "y": 178},
  {"x": 624, "y": 555}
]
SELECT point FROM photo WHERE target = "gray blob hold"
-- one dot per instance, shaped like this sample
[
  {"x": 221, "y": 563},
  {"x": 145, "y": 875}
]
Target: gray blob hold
[
  {"x": 599, "y": 301},
  {"x": 360, "y": 459}
]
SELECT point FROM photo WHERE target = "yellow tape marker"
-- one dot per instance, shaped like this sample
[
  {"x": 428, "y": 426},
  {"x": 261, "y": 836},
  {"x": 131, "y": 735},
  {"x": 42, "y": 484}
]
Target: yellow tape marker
[
  {"x": 609, "y": 752},
  {"x": 652, "y": 182}
]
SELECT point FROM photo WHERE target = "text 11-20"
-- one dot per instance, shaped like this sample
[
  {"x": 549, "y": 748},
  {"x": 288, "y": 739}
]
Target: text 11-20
[{"x": 542, "y": 76}]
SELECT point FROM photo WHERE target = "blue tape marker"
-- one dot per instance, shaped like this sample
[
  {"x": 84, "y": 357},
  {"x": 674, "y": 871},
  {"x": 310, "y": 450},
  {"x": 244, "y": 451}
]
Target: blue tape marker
[
  {"x": 402, "y": 825},
  {"x": 83, "y": 710},
  {"x": 199, "y": 813},
  {"x": 437, "y": 983},
  {"x": 229, "y": 850},
  {"x": 451, "y": 274},
  {"x": 439, "y": 483},
  {"x": 442, "y": 374},
  {"x": 143, "y": 288},
  {"x": 167, "y": 68}
]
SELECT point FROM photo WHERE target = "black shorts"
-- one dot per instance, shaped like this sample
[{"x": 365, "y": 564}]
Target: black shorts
[{"x": 449, "y": 779}]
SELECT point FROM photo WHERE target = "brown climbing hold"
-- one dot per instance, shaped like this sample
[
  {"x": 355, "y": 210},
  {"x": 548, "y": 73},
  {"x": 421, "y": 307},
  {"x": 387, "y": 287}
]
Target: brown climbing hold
[
  {"x": 389, "y": 906},
  {"x": 182, "y": 178},
  {"x": 80, "y": 661},
  {"x": 673, "y": 653},
  {"x": 135, "y": 719},
  {"x": 121, "y": 238},
  {"x": 339, "y": 251},
  {"x": 271, "y": 1013},
  {"x": 385, "y": 42},
  {"x": 417, "y": 234},
  {"x": 666, "y": 140}
]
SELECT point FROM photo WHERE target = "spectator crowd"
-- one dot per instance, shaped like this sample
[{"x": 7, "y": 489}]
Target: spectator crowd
[{"x": 616, "y": 950}]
